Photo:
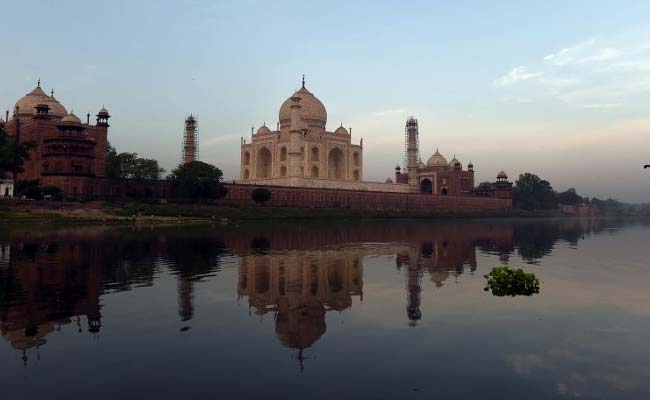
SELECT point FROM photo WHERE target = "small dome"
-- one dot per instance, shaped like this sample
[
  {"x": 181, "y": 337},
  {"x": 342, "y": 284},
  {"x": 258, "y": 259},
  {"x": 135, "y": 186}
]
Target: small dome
[
  {"x": 312, "y": 110},
  {"x": 71, "y": 119},
  {"x": 263, "y": 130},
  {"x": 341, "y": 131},
  {"x": 470, "y": 165},
  {"x": 104, "y": 111},
  {"x": 388, "y": 180},
  {"x": 502, "y": 175},
  {"x": 437, "y": 160},
  {"x": 398, "y": 168},
  {"x": 422, "y": 165}
]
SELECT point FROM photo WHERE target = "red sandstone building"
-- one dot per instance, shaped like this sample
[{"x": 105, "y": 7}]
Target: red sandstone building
[{"x": 69, "y": 154}]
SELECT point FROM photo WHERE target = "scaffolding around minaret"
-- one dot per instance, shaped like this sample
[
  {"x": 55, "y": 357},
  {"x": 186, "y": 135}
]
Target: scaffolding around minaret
[
  {"x": 190, "y": 140},
  {"x": 411, "y": 149}
]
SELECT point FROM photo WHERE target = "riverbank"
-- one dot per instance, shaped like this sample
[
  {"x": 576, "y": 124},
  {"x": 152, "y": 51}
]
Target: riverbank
[{"x": 100, "y": 212}]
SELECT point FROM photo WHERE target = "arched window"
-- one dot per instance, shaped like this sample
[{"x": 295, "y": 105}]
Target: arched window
[
  {"x": 444, "y": 191},
  {"x": 336, "y": 164},
  {"x": 283, "y": 154},
  {"x": 355, "y": 158},
  {"x": 426, "y": 186},
  {"x": 283, "y": 170},
  {"x": 315, "y": 156},
  {"x": 247, "y": 158},
  {"x": 264, "y": 160},
  {"x": 314, "y": 171}
]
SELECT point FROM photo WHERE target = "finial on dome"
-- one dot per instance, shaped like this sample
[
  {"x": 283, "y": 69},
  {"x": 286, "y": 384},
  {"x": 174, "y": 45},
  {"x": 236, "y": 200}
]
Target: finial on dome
[
  {"x": 38, "y": 84},
  {"x": 52, "y": 93},
  {"x": 303, "y": 81}
]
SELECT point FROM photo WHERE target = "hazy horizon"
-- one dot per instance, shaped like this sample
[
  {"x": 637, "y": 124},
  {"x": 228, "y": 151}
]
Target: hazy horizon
[{"x": 557, "y": 89}]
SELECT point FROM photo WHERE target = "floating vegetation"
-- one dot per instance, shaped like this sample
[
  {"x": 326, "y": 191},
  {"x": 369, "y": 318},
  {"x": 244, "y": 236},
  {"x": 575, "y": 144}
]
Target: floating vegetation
[{"x": 505, "y": 281}]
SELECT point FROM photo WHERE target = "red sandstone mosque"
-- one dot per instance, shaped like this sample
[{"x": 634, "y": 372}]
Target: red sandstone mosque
[{"x": 69, "y": 154}]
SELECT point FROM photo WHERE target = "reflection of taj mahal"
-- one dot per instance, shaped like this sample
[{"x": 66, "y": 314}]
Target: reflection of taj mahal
[{"x": 300, "y": 289}]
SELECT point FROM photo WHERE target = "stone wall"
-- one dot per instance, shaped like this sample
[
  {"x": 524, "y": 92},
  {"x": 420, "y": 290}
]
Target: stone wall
[
  {"x": 368, "y": 200},
  {"x": 326, "y": 183}
]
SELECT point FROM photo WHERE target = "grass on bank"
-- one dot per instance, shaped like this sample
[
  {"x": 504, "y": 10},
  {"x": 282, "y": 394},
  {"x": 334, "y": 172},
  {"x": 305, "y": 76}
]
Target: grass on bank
[{"x": 272, "y": 213}]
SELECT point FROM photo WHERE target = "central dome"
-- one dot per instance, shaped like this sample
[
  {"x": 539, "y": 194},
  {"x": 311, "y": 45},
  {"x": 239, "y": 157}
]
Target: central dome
[
  {"x": 437, "y": 160},
  {"x": 312, "y": 110},
  {"x": 37, "y": 96}
]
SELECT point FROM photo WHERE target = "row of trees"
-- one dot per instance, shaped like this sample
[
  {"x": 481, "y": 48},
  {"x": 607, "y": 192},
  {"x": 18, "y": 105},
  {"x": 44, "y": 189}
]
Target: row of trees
[
  {"x": 130, "y": 166},
  {"x": 530, "y": 192}
]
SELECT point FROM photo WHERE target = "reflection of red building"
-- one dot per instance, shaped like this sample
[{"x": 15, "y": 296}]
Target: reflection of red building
[
  {"x": 54, "y": 285},
  {"x": 68, "y": 154}
]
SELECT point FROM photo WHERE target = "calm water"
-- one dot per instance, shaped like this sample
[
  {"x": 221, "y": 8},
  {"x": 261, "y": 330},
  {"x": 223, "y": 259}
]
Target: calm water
[{"x": 374, "y": 310}]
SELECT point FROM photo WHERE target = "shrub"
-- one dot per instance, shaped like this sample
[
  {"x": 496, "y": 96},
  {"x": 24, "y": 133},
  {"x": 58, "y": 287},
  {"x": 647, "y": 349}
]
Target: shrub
[
  {"x": 504, "y": 281},
  {"x": 261, "y": 195}
]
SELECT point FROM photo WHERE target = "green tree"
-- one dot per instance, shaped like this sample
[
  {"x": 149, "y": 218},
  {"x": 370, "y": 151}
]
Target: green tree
[
  {"x": 130, "y": 166},
  {"x": 13, "y": 155},
  {"x": 197, "y": 181},
  {"x": 530, "y": 192},
  {"x": 113, "y": 169},
  {"x": 261, "y": 195},
  {"x": 570, "y": 198},
  {"x": 485, "y": 186}
]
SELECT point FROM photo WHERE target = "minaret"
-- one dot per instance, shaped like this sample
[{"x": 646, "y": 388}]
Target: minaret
[
  {"x": 295, "y": 137},
  {"x": 190, "y": 140},
  {"x": 412, "y": 151}
]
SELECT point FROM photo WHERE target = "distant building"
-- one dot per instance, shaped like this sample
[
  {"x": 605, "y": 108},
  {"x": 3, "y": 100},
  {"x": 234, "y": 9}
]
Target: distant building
[
  {"x": 6, "y": 188},
  {"x": 69, "y": 154}
]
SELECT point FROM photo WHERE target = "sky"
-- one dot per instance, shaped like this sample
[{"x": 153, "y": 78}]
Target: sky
[{"x": 556, "y": 88}]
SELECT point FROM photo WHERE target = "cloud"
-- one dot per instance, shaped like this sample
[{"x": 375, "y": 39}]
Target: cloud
[
  {"x": 569, "y": 55},
  {"x": 219, "y": 139},
  {"x": 516, "y": 75},
  {"x": 395, "y": 111},
  {"x": 601, "y": 105},
  {"x": 593, "y": 74}
]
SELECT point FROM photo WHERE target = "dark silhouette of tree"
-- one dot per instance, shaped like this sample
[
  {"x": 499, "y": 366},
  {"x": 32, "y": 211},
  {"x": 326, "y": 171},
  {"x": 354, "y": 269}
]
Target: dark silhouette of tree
[
  {"x": 533, "y": 193},
  {"x": 570, "y": 198},
  {"x": 261, "y": 195},
  {"x": 196, "y": 181},
  {"x": 12, "y": 154},
  {"x": 130, "y": 166}
]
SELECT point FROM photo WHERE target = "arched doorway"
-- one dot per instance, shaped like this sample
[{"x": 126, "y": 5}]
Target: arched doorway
[
  {"x": 426, "y": 186},
  {"x": 247, "y": 158},
  {"x": 283, "y": 154},
  {"x": 264, "y": 159},
  {"x": 314, "y": 154},
  {"x": 314, "y": 171},
  {"x": 336, "y": 164},
  {"x": 283, "y": 170},
  {"x": 355, "y": 174},
  {"x": 246, "y": 174},
  {"x": 444, "y": 191}
]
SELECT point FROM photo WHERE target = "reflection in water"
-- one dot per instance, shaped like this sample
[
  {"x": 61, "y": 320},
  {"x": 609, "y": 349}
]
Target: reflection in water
[
  {"x": 299, "y": 289},
  {"x": 296, "y": 273}
]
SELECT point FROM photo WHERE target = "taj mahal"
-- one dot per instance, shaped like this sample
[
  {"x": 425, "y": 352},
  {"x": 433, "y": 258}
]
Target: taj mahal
[{"x": 302, "y": 153}]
